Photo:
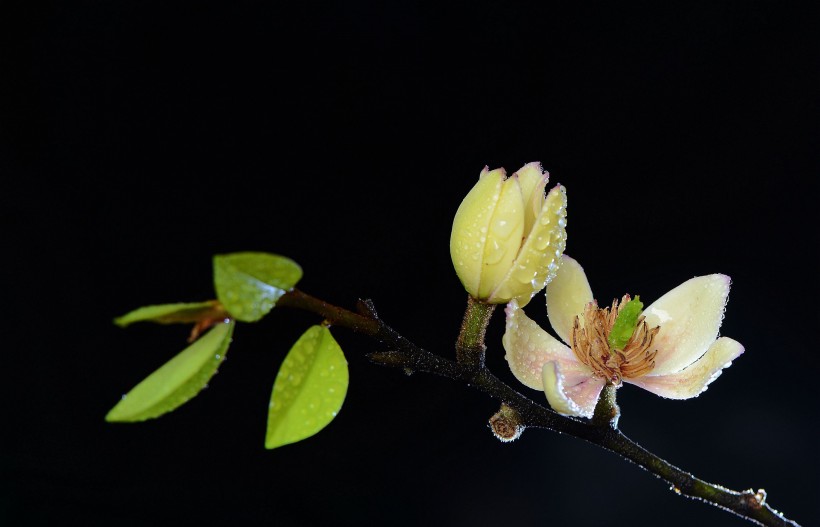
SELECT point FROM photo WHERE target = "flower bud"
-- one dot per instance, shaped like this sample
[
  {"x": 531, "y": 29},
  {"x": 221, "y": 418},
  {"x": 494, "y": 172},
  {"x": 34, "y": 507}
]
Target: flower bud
[{"x": 508, "y": 236}]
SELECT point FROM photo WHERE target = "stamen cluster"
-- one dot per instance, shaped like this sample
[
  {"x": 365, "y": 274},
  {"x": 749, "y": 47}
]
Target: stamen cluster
[{"x": 590, "y": 343}]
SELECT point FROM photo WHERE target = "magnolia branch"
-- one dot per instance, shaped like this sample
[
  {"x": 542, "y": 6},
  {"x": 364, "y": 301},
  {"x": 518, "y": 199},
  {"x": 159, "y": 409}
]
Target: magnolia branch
[{"x": 518, "y": 411}]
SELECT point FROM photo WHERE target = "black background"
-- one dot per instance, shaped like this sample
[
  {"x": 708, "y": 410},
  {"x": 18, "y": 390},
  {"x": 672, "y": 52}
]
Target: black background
[{"x": 140, "y": 138}]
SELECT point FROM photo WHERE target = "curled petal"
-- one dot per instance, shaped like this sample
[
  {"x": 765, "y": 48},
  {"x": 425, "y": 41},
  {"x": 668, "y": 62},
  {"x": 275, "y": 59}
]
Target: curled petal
[
  {"x": 693, "y": 380},
  {"x": 567, "y": 294},
  {"x": 568, "y": 399},
  {"x": 689, "y": 317},
  {"x": 537, "y": 259},
  {"x": 529, "y": 347}
]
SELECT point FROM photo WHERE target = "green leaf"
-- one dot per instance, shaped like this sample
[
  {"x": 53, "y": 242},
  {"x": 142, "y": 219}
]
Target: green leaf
[
  {"x": 176, "y": 381},
  {"x": 167, "y": 313},
  {"x": 625, "y": 323},
  {"x": 249, "y": 284},
  {"x": 309, "y": 389}
]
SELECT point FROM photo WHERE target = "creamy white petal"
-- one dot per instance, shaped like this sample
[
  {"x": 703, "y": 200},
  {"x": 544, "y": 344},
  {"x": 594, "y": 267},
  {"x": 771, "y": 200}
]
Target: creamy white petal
[
  {"x": 693, "y": 380},
  {"x": 570, "y": 399},
  {"x": 529, "y": 347},
  {"x": 538, "y": 256},
  {"x": 536, "y": 200},
  {"x": 567, "y": 294},
  {"x": 533, "y": 181},
  {"x": 503, "y": 238},
  {"x": 470, "y": 225},
  {"x": 689, "y": 316}
]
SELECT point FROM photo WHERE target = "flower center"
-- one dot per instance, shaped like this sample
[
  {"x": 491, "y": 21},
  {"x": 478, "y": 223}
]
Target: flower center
[{"x": 590, "y": 343}]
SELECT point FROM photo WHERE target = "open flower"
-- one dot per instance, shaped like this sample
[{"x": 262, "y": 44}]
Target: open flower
[
  {"x": 507, "y": 235},
  {"x": 673, "y": 350}
]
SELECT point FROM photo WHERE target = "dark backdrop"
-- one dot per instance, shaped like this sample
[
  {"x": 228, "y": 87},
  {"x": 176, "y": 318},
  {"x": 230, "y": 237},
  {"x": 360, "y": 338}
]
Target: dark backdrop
[{"x": 140, "y": 138}]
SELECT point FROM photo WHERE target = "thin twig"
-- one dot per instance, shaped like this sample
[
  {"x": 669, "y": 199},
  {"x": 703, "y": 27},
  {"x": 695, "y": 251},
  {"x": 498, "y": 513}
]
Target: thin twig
[{"x": 404, "y": 354}]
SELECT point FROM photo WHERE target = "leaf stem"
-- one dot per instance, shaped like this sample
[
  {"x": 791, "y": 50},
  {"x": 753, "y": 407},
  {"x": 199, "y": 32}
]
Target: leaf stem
[{"x": 471, "y": 370}]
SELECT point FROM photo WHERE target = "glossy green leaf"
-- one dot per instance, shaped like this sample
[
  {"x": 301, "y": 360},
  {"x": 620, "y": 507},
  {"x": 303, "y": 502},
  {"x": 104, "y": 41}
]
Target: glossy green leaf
[
  {"x": 167, "y": 313},
  {"x": 176, "y": 381},
  {"x": 309, "y": 389},
  {"x": 249, "y": 284},
  {"x": 625, "y": 323}
]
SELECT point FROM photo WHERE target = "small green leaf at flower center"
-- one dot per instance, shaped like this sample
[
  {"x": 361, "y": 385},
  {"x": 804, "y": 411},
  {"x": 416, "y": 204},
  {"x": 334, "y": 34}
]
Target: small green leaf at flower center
[{"x": 625, "y": 323}]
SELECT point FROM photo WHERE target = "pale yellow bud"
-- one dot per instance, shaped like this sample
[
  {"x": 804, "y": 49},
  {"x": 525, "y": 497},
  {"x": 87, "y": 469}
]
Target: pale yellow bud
[{"x": 508, "y": 236}]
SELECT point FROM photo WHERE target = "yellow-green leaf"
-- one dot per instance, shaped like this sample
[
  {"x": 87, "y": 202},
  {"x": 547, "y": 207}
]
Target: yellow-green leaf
[
  {"x": 167, "y": 313},
  {"x": 249, "y": 284},
  {"x": 176, "y": 381},
  {"x": 309, "y": 389}
]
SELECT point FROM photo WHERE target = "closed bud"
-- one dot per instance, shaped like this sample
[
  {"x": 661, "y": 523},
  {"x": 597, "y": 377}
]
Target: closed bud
[{"x": 508, "y": 236}]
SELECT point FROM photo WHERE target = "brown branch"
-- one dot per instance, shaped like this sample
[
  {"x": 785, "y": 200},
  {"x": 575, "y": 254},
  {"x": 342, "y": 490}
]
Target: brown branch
[{"x": 471, "y": 370}]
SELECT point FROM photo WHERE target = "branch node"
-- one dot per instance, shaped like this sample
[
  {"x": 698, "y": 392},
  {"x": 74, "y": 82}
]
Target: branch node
[
  {"x": 366, "y": 308},
  {"x": 506, "y": 424},
  {"x": 756, "y": 500}
]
